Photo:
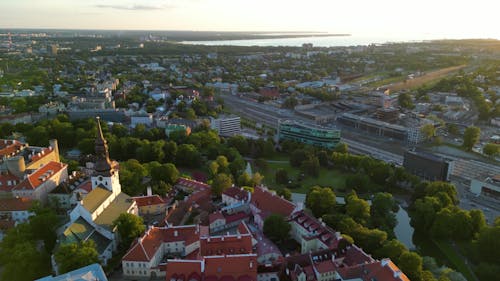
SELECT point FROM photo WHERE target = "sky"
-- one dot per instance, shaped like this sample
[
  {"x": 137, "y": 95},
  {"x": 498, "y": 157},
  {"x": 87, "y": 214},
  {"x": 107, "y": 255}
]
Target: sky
[{"x": 417, "y": 19}]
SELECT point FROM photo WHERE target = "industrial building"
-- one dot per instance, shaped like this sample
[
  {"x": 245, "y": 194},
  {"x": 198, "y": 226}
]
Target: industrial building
[{"x": 427, "y": 166}]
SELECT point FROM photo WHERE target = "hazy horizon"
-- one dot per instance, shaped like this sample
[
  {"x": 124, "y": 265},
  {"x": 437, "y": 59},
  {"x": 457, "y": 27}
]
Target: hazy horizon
[{"x": 390, "y": 18}]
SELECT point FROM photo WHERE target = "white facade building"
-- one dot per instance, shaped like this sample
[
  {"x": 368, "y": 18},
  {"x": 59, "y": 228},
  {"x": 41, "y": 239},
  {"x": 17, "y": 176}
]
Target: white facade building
[{"x": 227, "y": 126}]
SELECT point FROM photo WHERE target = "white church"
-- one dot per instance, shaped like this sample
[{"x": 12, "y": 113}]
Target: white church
[{"x": 93, "y": 216}]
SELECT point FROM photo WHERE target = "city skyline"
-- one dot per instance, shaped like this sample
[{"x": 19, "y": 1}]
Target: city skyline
[{"x": 389, "y": 18}]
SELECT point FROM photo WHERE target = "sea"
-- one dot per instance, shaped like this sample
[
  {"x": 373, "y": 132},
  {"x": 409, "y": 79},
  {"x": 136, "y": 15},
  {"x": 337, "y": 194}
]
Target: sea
[{"x": 318, "y": 41}]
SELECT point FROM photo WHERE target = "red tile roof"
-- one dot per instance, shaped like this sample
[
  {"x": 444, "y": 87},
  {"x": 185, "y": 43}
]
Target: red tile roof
[
  {"x": 355, "y": 255},
  {"x": 236, "y": 193},
  {"x": 214, "y": 268},
  {"x": 268, "y": 202},
  {"x": 41, "y": 175},
  {"x": 146, "y": 246},
  {"x": 184, "y": 270},
  {"x": 7, "y": 224},
  {"x": 226, "y": 245},
  {"x": 15, "y": 204},
  {"x": 215, "y": 216},
  {"x": 379, "y": 270},
  {"x": 316, "y": 228},
  {"x": 86, "y": 186},
  {"x": 149, "y": 200},
  {"x": 235, "y": 267},
  {"x": 195, "y": 185},
  {"x": 7, "y": 178},
  {"x": 8, "y": 147}
]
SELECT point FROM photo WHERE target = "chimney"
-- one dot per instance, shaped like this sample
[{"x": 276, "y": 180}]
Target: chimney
[
  {"x": 176, "y": 233},
  {"x": 55, "y": 146},
  {"x": 149, "y": 191}
]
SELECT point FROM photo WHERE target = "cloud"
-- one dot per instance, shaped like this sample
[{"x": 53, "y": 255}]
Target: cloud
[{"x": 135, "y": 7}]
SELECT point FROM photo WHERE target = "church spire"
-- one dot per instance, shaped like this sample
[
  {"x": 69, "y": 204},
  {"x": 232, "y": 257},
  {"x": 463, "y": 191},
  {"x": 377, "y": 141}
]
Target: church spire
[{"x": 102, "y": 165}]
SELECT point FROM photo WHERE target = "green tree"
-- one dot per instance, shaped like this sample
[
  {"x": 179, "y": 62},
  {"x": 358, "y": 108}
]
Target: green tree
[
  {"x": 188, "y": 156},
  {"x": 72, "y": 256},
  {"x": 411, "y": 264},
  {"x": 129, "y": 227},
  {"x": 297, "y": 157},
  {"x": 491, "y": 149},
  {"x": 24, "y": 262},
  {"x": 165, "y": 172},
  {"x": 131, "y": 175},
  {"x": 285, "y": 192},
  {"x": 382, "y": 211},
  {"x": 276, "y": 228},
  {"x": 245, "y": 180},
  {"x": 488, "y": 244},
  {"x": 392, "y": 249},
  {"x": 281, "y": 176},
  {"x": 357, "y": 208},
  {"x": 428, "y": 131},
  {"x": 405, "y": 101},
  {"x": 321, "y": 200},
  {"x": 341, "y": 148},
  {"x": 44, "y": 225},
  {"x": 311, "y": 166},
  {"x": 471, "y": 137},
  {"x": 221, "y": 182},
  {"x": 478, "y": 221}
]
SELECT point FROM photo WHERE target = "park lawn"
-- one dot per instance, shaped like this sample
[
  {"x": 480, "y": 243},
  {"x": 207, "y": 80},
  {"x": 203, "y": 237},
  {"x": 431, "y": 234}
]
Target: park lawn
[
  {"x": 330, "y": 178},
  {"x": 454, "y": 258}
]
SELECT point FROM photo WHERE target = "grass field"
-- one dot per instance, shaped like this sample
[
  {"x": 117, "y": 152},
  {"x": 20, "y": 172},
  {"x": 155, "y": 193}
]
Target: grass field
[
  {"x": 424, "y": 79},
  {"x": 331, "y": 178}
]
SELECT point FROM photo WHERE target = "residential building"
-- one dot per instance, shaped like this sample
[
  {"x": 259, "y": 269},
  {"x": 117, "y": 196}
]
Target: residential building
[
  {"x": 223, "y": 220},
  {"x": 28, "y": 171},
  {"x": 39, "y": 184},
  {"x": 311, "y": 233},
  {"x": 143, "y": 118},
  {"x": 151, "y": 205},
  {"x": 17, "y": 210},
  {"x": 149, "y": 251},
  {"x": 308, "y": 134},
  {"x": 92, "y": 272},
  {"x": 153, "y": 253},
  {"x": 226, "y": 126}
]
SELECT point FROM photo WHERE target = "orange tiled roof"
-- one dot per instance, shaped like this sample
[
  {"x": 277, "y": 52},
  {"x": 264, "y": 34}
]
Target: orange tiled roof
[
  {"x": 379, "y": 270},
  {"x": 236, "y": 193},
  {"x": 226, "y": 245},
  {"x": 235, "y": 267},
  {"x": 271, "y": 203},
  {"x": 41, "y": 175},
  {"x": 8, "y": 181},
  {"x": 195, "y": 185},
  {"x": 15, "y": 204},
  {"x": 7, "y": 147},
  {"x": 148, "y": 200}
]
